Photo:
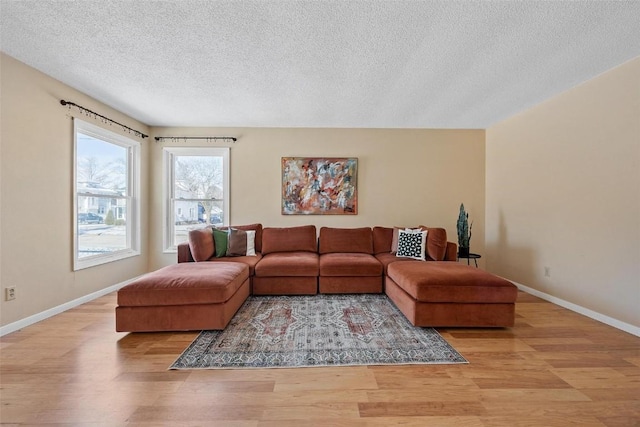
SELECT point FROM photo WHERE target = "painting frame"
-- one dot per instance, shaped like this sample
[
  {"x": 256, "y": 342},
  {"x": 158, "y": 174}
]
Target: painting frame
[{"x": 319, "y": 186}]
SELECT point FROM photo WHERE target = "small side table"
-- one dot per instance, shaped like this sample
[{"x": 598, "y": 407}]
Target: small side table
[{"x": 470, "y": 257}]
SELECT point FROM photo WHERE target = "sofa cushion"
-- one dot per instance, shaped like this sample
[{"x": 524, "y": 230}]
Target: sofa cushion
[
  {"x": 349, "y": 264},
  {"x": 255, "y": 227},
  {"x": 436, "y": 243},
  {"x": 385, "y": 239},
  {"x": 201, "y": 244},
  {"x": 186, "y": 283},
  {"x": 287, "y": 264},
  {"x": 346, "y": 240},
  {"x": 444, "y": 281},
  {"x": 394, "y": 240},
  {"x": 412, "y": 244},
  {"x": 241, "y": 242},
  {"x": 251, "y": 243},
  {"x": 382, "y": 237},
  {"x": 237, "y": 242},
  {"x": 220, "y": 237},
  {"x": 289, "y": 239}
]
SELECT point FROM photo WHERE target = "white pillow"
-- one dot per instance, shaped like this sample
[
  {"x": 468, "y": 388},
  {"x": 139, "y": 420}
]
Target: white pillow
[
  {"x": 251, "y": 243},
  {"x": 411, "y": 244}
]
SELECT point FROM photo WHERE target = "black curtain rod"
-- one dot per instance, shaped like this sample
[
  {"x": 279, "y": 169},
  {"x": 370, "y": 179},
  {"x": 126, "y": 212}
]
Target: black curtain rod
[
  {"x": 95, "y": 115},
  {"x": 207, "y": 138}
]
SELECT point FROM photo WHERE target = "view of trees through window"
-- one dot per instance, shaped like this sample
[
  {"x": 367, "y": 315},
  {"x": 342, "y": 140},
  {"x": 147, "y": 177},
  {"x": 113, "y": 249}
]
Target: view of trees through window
[
  {"x": 198, "y": 193},
  {"x": 101, "y": 188}
]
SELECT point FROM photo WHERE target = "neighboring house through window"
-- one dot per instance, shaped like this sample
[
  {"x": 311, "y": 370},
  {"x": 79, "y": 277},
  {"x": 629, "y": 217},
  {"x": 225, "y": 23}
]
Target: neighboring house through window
[
  {"x": 107, "y": 201},
  {"x": 196, "y": 191}
]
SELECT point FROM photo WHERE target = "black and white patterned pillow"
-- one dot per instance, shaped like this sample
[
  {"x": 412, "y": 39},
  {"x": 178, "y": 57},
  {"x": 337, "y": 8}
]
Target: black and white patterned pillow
[{"x": 411, "y": 244}]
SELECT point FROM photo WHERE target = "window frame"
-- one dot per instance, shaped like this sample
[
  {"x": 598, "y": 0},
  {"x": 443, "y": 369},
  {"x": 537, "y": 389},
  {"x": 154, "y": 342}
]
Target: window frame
[
  {"x": 132, "y": 198},
  {"x": 168, "y": 156}
]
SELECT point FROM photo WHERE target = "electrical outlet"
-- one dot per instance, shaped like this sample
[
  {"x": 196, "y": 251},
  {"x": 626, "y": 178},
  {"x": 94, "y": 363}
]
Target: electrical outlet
[
  {"x": 10, "y": 293},
  {"x": 547, "y": 272}
]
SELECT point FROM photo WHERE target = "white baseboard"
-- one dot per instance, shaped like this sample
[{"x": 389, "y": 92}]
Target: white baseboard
[
  {"x": 15, "y": 326},
  {"x": 634, "y": 330}
]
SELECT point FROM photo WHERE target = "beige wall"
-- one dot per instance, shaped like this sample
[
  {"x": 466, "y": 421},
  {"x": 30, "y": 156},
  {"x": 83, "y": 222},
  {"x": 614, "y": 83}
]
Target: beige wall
[
  {"x": 563, "y": 191},
  {"x": 36, "y": 170},
  {"x": 405, "y": 177}
]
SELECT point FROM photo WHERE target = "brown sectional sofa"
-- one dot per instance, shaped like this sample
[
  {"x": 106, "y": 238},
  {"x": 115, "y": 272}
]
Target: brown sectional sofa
[{"x": 298, "y": 261}]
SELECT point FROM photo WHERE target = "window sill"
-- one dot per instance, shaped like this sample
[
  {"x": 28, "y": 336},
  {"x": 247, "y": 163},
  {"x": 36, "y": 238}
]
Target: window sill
[{"x": 81, "y": 264}]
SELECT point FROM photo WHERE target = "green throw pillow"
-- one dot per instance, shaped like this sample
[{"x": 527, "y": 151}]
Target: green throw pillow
[{"x": 220, "y": 239}]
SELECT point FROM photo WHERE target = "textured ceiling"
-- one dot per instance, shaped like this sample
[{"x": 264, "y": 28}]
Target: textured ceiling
[{"x": 373, "y": 64}]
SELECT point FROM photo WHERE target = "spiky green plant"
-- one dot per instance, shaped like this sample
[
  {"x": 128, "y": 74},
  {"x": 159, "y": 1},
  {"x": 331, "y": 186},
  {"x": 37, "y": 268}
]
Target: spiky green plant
[{"x": 464, "y": 228}]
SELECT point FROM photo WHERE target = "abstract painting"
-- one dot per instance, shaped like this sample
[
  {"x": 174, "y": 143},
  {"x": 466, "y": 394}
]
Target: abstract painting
[{"x": 319, "y": 186}]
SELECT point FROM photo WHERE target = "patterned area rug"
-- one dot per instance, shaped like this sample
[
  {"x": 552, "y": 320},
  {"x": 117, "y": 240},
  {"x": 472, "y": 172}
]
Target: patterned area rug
[{"x": 319, "y": 330}]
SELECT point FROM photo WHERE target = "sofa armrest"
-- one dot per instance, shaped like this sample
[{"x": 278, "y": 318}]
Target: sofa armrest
[
  {"x": 184, "y": 253},
  {"x": 452, "y": 252}
]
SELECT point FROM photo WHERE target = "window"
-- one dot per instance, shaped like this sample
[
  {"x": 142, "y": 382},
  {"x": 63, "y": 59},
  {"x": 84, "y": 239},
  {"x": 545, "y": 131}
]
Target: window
[
  {"x": 107, "y": 203},
  {"x": 196, "y": 191}
]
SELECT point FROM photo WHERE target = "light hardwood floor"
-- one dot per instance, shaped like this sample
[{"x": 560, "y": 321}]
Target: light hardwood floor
[{"x": 554, "y": 368}]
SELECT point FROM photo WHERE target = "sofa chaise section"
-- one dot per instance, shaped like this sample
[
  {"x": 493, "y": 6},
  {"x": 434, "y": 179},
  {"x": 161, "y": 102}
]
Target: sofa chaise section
[
  {"x": 450, "y": 294},
  {"x": 183, "y": 297}
]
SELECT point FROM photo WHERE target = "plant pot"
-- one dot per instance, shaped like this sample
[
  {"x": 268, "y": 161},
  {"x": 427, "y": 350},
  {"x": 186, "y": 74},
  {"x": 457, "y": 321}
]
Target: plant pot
[{"x": 463, "y": 252}]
